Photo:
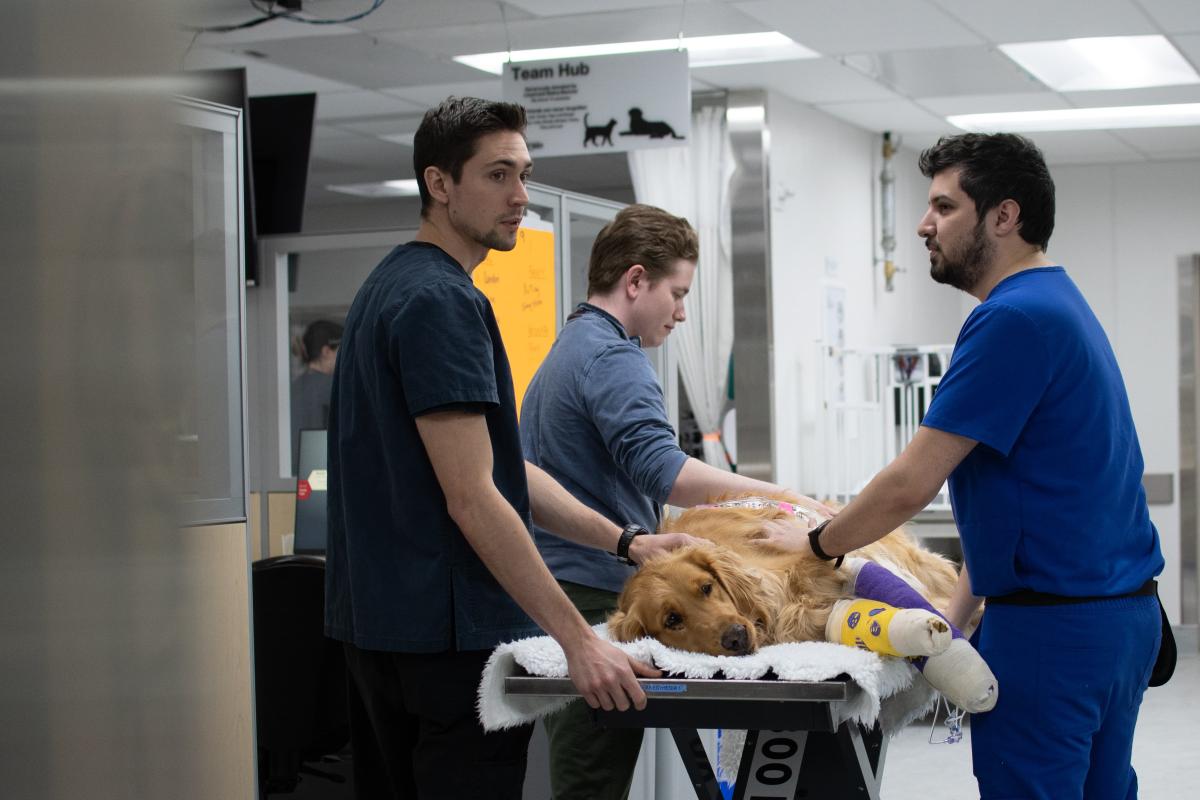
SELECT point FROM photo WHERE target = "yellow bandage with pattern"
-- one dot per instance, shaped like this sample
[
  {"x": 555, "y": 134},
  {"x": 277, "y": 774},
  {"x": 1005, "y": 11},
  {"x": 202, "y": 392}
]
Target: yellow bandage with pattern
[{"x": 866, "y": 624}]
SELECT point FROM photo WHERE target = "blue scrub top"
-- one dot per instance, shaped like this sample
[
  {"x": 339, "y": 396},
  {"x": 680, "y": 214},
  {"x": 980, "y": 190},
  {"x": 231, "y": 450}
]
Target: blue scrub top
[{"x": 1051, "y": 499}]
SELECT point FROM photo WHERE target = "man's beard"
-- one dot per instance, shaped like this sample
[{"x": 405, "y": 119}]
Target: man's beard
[
  {"x": 491, "y": 238},
  {"x": 964, "y": 271}
]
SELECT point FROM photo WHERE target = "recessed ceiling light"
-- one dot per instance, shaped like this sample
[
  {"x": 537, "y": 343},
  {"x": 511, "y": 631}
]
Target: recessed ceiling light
[
  {"x": 1081, "y": 119},
  {"x": 399, "y": 188},
  {"x": 1105, "y": 62},
  {"x": 703, "y": 51}
]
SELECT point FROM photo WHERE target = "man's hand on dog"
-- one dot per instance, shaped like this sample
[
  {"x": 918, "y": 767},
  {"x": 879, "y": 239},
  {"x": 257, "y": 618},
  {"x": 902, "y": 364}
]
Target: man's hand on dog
[
  {"x": 646, "y": 547},
  {"x": 788, "y": 535},
  {"x": 607, "y": 676}
]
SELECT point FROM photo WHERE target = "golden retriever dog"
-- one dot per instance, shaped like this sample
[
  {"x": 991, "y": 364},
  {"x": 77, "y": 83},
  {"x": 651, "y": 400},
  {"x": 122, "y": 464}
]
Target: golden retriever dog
[{"x": 734, "y": 596}]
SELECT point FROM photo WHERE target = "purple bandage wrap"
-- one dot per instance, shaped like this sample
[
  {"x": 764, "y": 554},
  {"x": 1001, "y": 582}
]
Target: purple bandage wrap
[{"x": 879, "y": 583}]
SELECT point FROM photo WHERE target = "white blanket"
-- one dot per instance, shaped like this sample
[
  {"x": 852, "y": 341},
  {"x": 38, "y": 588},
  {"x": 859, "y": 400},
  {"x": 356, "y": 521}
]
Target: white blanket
[{"x": 893, "y": 693}]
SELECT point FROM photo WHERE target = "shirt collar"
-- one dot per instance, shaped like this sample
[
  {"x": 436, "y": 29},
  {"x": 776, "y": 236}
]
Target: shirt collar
[{"x": 585, "y": 308}]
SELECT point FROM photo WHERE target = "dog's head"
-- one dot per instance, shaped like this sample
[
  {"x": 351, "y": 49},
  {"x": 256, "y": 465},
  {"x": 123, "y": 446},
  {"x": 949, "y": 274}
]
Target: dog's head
[
  {"x": 695, "y": 598},
  {"x": 635, "y": 113}
]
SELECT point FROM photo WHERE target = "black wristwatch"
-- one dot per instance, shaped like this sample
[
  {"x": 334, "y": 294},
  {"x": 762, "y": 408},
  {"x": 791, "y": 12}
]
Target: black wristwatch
[
  {"x": 814, "y": 541},
  {"x": 627, "y": 533}
]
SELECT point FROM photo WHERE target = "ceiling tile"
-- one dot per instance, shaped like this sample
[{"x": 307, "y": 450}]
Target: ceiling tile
[
  {"x": 815, "y": 80},
  {"x": 216, "y": 13},
  {"x": 902, "y": 116},
  {"x": 988, "y": 103},
  {"x": 707, "y": 19},
  {"x": 945, "y": 71},
  {"x": 1163, "y": 142},
  {"x": 836, "y": 27},
  {"x": 1174, "y": 16},
  {"x": 365, "y": 151},
  {"x": 416, "y": 14},
  {"x": 1083, "y": 147},
  {"x": 1190, "y": 47},
  {"x": 429, "y": 96},
  {"x": 1038, "y": 20},
  {"x": 262, "y": 77},
  {"x": 1135, "y": 97},
  {"x": 366, "y": 61},
  {"x": 554, "y": 8},
  {"x": 383, "y": 125},
  {"x": 339, "y": 105}
]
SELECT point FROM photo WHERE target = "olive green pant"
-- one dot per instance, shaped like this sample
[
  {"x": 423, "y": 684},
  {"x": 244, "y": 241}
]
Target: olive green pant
[{"x": 588, "y": 762}]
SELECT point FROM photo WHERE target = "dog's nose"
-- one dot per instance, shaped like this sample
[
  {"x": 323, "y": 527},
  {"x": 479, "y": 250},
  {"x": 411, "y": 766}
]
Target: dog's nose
[{"x": 736, "y": 640}]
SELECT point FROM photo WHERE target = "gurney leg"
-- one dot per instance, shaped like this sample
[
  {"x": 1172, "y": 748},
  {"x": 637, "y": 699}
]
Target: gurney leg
[
  {"x": 695, "y": 761},
  {"x": 771, "y": 764}
]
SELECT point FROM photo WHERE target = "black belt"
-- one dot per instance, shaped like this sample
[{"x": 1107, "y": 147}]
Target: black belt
[{"x": 1028, "y": 597}]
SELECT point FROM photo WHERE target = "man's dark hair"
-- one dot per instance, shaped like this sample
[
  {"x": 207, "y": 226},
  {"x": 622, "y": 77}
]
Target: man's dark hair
[
  {"x": 640, "y": 234},
  {"x": 447, "y": 136},
  {"x": 997, "y": 167},
  {"x": 317, "y": 335}
]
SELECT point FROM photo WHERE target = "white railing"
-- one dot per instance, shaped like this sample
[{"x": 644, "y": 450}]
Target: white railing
[{"x": 873, "y": 401}]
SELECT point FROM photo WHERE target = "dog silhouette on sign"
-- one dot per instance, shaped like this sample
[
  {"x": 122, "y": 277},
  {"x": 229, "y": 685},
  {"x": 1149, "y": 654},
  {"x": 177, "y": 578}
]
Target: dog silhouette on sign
[
  {"x": 598, "y": 134},
  {"x": 640, "y": 126}
]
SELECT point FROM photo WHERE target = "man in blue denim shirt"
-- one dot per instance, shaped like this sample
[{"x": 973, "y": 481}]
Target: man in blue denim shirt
[{"x": 594, "y": 419}]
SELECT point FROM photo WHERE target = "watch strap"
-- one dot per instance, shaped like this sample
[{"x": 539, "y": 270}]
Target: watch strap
[
  {"x": 814, "y": 541},
  {"x": 627, "y": 533}
]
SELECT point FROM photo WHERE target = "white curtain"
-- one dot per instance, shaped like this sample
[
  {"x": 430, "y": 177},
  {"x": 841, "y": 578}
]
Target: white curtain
[{"x": 693, "y": 182}]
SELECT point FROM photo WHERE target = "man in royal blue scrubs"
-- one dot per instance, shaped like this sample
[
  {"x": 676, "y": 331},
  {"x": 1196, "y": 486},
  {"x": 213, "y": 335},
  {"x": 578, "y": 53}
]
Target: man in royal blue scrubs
[{"x": 1031, "y": 424}]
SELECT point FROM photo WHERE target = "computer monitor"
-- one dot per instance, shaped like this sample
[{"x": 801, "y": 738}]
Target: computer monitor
[{"x": 311, "y": 520}]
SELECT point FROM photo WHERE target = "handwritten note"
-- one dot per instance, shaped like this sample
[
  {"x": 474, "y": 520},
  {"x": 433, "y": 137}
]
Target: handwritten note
[{"x": 520, "y": 285}]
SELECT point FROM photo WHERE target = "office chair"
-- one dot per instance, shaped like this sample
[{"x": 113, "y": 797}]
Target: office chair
[{"x": 299, "y": 675}]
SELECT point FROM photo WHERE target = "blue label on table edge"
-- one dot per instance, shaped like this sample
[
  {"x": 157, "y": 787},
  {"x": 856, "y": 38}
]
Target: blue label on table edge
[{"x": 666, "y": 688}]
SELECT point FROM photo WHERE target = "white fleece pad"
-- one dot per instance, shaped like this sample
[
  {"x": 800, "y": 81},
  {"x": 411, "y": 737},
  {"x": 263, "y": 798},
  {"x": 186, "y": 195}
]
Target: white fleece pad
[{"x": 893, "y": 693}]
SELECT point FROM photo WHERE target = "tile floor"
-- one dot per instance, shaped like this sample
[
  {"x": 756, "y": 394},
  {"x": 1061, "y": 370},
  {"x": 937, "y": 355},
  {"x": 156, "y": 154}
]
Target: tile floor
[{"x": 1166, "y": 749}]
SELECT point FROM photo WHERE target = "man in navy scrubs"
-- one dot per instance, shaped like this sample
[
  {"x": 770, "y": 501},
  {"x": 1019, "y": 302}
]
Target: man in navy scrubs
[
  {"x": 430, "y": 559},
  {"x": 1031, "y": 424}
]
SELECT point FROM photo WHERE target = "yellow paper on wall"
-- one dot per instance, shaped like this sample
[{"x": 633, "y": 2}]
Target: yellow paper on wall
[{"x": 520, "y": 284}]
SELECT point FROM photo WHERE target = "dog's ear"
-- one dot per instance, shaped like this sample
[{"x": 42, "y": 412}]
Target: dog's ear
[
  {"x": 744, "y": 588},
  {"x": 625, "y": 627}
]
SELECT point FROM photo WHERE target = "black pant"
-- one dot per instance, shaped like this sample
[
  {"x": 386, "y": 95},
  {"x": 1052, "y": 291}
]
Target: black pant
[{"x": 415, "y": 733}]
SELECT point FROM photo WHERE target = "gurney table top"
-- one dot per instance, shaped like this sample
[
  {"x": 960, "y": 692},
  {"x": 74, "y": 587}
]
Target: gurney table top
[
  {"x": 713, "y": 703},
  {"x": 805, "y": 755}
]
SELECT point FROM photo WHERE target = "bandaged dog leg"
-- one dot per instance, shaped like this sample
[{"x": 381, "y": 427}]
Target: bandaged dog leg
[
  {"x": 883, "y": 628},
  {"x": 959, "y": 672}
]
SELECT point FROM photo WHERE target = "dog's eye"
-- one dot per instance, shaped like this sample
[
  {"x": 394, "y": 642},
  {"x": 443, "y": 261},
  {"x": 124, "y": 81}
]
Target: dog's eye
[
  {"x": 706, "y": 589},
  {"x": 673, "y": 620}
]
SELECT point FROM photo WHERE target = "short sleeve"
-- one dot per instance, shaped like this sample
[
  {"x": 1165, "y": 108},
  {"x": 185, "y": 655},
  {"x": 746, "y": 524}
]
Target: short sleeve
[
  {"x": 442, "y": 349},
  {"x": 999, "y": 372},
  {"x": 623, "y": 399}
]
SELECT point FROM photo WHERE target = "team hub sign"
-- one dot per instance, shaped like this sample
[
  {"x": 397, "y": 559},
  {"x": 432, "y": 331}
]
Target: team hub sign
[{"x": 603, "y": 103}]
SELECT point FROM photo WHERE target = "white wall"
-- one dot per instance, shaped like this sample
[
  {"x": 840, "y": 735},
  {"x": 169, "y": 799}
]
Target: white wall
[
  {"x": 823, "y": 177},
  {"x": 1120, "y": 230}
]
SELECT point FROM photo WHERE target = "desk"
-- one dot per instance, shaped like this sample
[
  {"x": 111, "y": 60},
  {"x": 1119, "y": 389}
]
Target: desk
[{"x": 793, "y": 749}]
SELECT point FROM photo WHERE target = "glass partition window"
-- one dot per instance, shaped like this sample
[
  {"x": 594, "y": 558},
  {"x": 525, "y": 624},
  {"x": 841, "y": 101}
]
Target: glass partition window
[{"x": 210, "y": 439}]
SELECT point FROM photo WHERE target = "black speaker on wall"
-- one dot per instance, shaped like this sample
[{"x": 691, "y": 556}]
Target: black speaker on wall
[{"x": 281, "y": 129}]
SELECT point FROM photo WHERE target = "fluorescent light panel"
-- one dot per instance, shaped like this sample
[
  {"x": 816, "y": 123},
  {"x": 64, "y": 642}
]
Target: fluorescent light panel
[
  {"x": 703, "y": 51},
  {"x": 1106, "y": 62},
  {"x": 1081, "y": 119},
  {"x": 399, "y": 188}
]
